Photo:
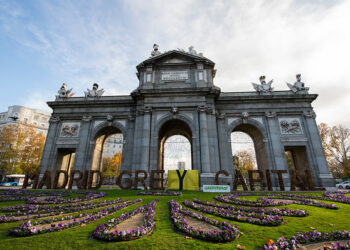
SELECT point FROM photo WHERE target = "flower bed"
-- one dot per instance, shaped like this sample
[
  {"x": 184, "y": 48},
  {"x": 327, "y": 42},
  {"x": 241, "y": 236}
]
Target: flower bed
[
  {"x": 234, "y": 199},
  {"x": 177, "y": 214},
  {"x": 269, "y": 200},
  {"x": 108, "y": 231},
  {"x": 236, "y": 215},
  {"x": 300, "y": 200},
  {"x": 168, "y": 193},
  {"x": 54, "y": 200},
  {"x": 23, "y": 194},
  {"x": 38, "y": 211},
  {"x": 306, "y": 238},
  {"x": 271, "y": 211},
  {"x": 337, "y": 196},
  {"x": 50, "y": 225}
]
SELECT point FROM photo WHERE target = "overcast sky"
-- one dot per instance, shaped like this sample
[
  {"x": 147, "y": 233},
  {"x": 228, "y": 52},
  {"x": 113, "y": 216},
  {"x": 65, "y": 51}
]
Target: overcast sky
[{"x": 46, "y": 43}]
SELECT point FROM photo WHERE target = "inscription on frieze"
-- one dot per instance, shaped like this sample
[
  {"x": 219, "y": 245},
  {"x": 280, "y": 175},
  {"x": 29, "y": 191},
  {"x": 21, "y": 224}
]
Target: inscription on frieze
[{"x": 174, "y": 75}]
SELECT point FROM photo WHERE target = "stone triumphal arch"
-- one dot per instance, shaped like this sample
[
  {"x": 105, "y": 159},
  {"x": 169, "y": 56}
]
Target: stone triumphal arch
[{"x": 176, "y": 95}]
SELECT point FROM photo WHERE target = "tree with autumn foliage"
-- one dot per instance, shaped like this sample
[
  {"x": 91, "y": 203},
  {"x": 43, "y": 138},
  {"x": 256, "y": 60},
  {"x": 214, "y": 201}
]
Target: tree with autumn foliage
[
  {"x": 21, "y": 148},
  {"x": 244, "y": 161},
  {"x": 111, "y": 166},
  {"x": 336, "y": 145}
]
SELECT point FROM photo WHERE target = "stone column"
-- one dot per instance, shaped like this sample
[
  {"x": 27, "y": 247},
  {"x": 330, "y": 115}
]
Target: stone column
[
  {"x": 213, "y": 141},
  {"x": 225, "y": 155},
  {"x": 321, "y": 174},
  {"x": 128, "y": 144},
  {"x": 136, "y": 159},
  {"x": 205, "y": 162},
  {"x": 225, "y": 151},
  {"x": 146, "y": 134},
  {"x": 46, "y": 161},
  {"x": 80, "y": 156},
  {"x": 275, "y": 149}
]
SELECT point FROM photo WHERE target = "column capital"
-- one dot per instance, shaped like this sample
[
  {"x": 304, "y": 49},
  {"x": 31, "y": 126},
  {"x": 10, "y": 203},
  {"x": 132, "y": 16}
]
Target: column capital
[
  {"x": 54, "y": 119},
  {"x": 220, "y": 115},
  {"x": 147, "y": 110},
  {"x": 309, "y": 114},
  {"x": 131, "y": 118},
  {"x": 86, "y": 118},
  {"x": 202, "y": 109},
  {"x": 270, "y": 114}
]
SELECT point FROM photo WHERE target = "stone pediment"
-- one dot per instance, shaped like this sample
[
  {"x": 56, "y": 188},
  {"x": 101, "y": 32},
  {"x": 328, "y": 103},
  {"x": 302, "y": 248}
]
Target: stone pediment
[
  {"x": 175, "y": 57},
  {"x": 175, "y": 60}
]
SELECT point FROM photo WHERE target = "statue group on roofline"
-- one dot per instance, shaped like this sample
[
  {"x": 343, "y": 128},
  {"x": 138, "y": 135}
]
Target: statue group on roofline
[
  {"x": 94, "y": 92},
  {"x": 265, "y": 88},
  {"x": 63, "y": 93},
  {"x": 298, "y": 86}
]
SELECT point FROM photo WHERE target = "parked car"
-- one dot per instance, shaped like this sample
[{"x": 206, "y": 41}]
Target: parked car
[{"x": 345, "y": 184}]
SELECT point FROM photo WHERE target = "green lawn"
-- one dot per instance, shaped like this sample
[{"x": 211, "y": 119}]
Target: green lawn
[{"x": 164, "y": 237}]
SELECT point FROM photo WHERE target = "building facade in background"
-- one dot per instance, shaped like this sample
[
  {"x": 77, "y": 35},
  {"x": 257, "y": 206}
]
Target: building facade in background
[
  {"x": 113, "y": 145},
  {"x": 177, "y": 96},
  {"x": 37, "y": 119}
]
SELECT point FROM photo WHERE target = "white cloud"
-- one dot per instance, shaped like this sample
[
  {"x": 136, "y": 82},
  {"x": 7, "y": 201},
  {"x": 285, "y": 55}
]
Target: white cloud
[{"x": 103, "y": 42}]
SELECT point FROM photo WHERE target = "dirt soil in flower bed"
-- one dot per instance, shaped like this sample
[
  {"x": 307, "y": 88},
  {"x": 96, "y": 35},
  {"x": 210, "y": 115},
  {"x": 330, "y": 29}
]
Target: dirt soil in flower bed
[
  {"x": 130, "y": 224},
  {"x": 321, "y": 245},
  {"x": 205, "y": 227},
  {"x": 42, "y": 198},
  {"x": 283, "y": 200}
]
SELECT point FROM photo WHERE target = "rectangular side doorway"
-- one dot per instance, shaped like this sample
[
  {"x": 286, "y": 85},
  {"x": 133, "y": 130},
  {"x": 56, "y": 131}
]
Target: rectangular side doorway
[
  {"x": 65, "y": 161},
  {"x": 297, "y": 160}
]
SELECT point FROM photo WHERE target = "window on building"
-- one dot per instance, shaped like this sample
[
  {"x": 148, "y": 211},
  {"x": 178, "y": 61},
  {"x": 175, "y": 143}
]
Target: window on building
[
  {"x": 42, "y": 125},
  {"x": 36, "y": 118},
  {"x": 25, "y": 120},
  {"x": 148, "y": 77},
  {"x": 35, "y": 123},
  {"x": 43, "y": 119},
  {"x": 200, "y": 76}
]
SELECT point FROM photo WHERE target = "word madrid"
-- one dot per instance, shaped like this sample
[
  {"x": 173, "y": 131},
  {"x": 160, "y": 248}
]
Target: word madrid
[{"x": 85, "y": 180}]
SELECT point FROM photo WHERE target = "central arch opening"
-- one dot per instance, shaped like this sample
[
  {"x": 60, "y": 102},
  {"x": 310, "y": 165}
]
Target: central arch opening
[
  {"x": 175, "y": 146},
  {"x": 248, "y": 149},
  {"x": 107, "y": 156}
]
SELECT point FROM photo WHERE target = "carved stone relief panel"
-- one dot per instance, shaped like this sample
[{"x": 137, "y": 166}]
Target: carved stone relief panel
[
  {"x": 290, "y": 125},
  {"x": 70, "y": 129}
]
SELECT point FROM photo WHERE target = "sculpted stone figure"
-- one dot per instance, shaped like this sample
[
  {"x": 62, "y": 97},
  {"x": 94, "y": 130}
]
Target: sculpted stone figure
[
  {"x": 64, "y": 93},
  {"x": 263, "y": 87},
  {"x": 298, "y": 86},
  {"x": 155, "y": 51},
  {"x": 94, "y": 92}
]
